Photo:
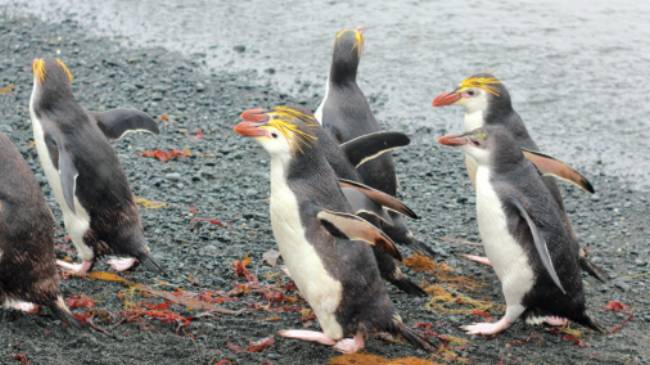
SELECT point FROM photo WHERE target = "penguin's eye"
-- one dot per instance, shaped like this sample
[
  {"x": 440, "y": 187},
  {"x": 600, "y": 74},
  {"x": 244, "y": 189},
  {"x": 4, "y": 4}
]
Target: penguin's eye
[
  {"x": 471, "y": 92},
  {"x": 274, "y": 135}
]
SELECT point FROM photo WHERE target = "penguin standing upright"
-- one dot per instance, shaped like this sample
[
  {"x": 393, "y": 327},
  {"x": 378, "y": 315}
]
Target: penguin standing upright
[
  {"x": 28, "y": 276},
  {"x": 324, "y": 245},
  {"x": 366, "y": 202},
  {"x": 523, "y": 232},
  {"x": 83, "y": 171},
  {"x": 487, "y": 102},
  {"x": 346, "y": 114}
]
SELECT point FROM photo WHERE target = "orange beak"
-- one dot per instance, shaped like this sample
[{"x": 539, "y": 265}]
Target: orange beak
[
  {"x": 453, "y": 140},
  {"x": 250, "y": 129},
  {"x": 446, "y": 98}
]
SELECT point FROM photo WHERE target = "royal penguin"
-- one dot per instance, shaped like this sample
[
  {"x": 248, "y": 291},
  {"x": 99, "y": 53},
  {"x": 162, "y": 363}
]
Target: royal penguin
[
  {"x": 345, "y": 113},
  {"x": 28, "y": 275},
  {"x": 523, "y": 232},
  {"x": 486, "y": 101},
  {"x": 366, "y": 202},
  {"x": 326, "y": 248},
  {"x": 83, "y": 171}
]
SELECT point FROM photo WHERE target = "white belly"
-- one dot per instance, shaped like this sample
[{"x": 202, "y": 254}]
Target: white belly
[
  {"x": 316, "y": 285},
  {"x": 472, "y": 121},
  {"x": 319, "y": 111},
  {"x": 76, "y": 224},
  {"x": 508, "y": 258}
]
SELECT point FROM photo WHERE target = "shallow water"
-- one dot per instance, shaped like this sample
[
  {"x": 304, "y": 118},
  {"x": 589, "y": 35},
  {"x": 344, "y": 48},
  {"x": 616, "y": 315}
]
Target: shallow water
[{"x": 577, "y": 71}]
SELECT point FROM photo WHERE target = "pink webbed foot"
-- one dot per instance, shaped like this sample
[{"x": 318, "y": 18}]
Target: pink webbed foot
[
  {"x": 307, "y": 335},
  {"x": 76, "y": 269},
  {"x": 486, "y": 328},
  {"x": 479, "y": 259},
  {"x": 122, "y": 264},
  {"x": 22, "y": 306},
  {"x": 350, "y": 345},
  {"x": 556, "y": 321}
]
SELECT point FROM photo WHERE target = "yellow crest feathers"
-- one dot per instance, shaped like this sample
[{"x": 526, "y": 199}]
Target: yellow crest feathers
[
  {"x": 484, "y": 83},
  {"x": 38, "y": 68},
  {"x": 65, "y": 69},
  {"x": 283, "y": 119}
]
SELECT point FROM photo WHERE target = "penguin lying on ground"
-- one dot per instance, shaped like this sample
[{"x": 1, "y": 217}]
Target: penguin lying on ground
[
  {"x": 366, "y": 202},
  {"x": 83, "y": 170},
  {"x": 487, "y": 102},
  {"x": 524, "y": 234},
  {"x": 324, "y": 245},
  {"x": 28, "y": 276},
  {"x": 346, "y": 115}
]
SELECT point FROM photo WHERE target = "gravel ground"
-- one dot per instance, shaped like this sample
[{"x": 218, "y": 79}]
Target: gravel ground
[{"x": 227, "y": 178}]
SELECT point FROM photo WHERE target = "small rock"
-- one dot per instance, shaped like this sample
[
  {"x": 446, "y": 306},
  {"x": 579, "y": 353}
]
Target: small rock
[
  {"x": 209, "y": 250},
  {"x": 621, "y": 285},
  {"x": 239, "y": 48},
  {"x": 173, "y": 176}
]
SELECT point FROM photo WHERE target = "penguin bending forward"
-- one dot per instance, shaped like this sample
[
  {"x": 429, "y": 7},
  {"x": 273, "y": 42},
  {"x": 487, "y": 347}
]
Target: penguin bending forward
[
  {"x": 487, "y": 102},
  {"x": 346, "y": 115},
  {"x": 326, "y": 248},
  {"x": 523, "y": 233},
  {"x": 366, "y": 202},
  {"x": 83, "y": 171},
  {"x": 28, "y": 276}
]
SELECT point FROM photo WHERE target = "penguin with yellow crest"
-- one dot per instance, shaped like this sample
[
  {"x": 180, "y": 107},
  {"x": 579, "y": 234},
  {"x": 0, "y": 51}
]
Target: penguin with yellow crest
[
  {"x": 83, "y": 171},
  {"x": 326, "y": 247},
  {"x": 487, "y": 101}
]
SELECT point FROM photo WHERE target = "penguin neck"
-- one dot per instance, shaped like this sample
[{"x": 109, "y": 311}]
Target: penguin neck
[
  {"x": 474, "y": 119},
  {"x": 342, "y": 75},
  {"x": 279, "y": 168}
]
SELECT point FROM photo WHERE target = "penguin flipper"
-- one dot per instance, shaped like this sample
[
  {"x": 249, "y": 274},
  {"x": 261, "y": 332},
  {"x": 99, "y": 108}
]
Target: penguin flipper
[
  {"x": 372, "y": 145},
  {"x": 118, "y": 122},
  {"x": 550, "y": 166},
  {"x": 364, "y": 207},
  {"x": 68, "y": 174},
  {"x": 349, "y": 226},
  {"x": 386, "y": 200},
  {"x": 540, "y": 245}
]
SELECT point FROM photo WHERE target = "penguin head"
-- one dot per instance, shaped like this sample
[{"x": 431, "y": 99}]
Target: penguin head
[
  {"x": 489, "y": 145},
  {"x": 283, "y": 131},
  {"x": 480, "y": 92},
  {"x": 348, "y": 47},
  {"x": 52, "y": 80}
]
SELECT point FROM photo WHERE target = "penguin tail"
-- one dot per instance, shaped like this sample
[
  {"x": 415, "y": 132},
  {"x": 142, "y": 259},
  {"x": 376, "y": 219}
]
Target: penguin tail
[
  {"x": 399, "y": 233},
  {"x": 151, "y": 264},
  {"x": 409, "y": 287},
  {"x": 424, "y": 249},
  {"x": 411, "y": 336},
  {"x": 63, "y": 312},
  {"x": 397, "y": 278},
  {"x": 586, "y": 321},
  {"x": 592, "y": 269}
]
